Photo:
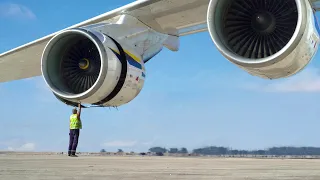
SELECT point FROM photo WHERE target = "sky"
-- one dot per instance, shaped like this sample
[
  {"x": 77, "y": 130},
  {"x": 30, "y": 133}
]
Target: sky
[{"x": 191, "y": 98}]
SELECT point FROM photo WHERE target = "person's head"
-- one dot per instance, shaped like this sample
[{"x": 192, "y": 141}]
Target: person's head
[{"x": 74, "y": 111}]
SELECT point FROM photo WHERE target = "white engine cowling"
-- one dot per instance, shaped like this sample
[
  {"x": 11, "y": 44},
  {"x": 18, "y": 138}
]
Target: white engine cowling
[
  {"x": 267, "y": 38},
  {"x": 82, "y": 65}
]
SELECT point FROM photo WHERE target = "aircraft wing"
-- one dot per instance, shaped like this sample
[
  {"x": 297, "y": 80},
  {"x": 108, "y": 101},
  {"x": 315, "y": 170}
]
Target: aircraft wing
[{"x": 188, "y": 16}]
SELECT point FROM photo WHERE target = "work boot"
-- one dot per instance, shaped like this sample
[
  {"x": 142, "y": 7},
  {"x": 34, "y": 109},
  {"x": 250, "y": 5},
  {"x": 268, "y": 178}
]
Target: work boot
[{"x": 73, "y": 154}]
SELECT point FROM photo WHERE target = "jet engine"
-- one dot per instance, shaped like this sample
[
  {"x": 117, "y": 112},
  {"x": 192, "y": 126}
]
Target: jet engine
[
  {"x": 87, "y": 66},
  {"x": 267, "y": 38}
]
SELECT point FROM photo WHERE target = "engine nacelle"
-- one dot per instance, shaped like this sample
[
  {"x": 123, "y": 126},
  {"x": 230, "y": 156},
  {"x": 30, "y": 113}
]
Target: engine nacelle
[
  {"x": 87, "y": 66},
  {"x": 267, "y": 38}
]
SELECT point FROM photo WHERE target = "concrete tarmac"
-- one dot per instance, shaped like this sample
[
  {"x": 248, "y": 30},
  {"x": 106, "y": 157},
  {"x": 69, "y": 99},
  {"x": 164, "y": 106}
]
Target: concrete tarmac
[{"x": 60, "y": 167}]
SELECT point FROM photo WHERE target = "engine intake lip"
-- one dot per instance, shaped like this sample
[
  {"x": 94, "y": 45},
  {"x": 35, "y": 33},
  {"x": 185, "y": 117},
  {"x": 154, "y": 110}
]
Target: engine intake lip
[
  {"x": 215, "y": 14},
  {"x": 51, "y": 63}
]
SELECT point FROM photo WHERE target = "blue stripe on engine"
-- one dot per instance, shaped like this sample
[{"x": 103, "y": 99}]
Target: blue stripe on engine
[
  {"x": 316, "y": 23},
  {"x": 134, "y": 63}
]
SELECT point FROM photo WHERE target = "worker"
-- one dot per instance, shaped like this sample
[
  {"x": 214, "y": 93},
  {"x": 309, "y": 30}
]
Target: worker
[{"x": 75, "y": 126}]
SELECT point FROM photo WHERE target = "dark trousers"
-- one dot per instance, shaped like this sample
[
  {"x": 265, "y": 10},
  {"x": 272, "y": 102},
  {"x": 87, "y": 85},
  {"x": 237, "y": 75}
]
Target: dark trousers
[{"x": 73, "y": 141}]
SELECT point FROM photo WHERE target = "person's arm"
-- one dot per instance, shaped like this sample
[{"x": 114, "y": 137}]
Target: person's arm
[{"x": 79, "y": 112}]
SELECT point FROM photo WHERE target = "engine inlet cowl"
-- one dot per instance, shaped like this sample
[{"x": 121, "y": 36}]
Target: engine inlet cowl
[
  {"x": 255, "y": 31},
  {"x": 266, "y": 38},
  {"x": 73, "y": 63}
]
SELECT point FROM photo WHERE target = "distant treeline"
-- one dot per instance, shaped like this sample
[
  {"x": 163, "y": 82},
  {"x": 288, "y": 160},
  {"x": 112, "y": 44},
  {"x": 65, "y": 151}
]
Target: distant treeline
[{"x": 215, "y": 150}]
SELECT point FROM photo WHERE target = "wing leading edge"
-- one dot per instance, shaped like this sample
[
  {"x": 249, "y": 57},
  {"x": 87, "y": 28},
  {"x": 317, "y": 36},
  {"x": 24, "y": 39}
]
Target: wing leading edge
[{"x": 24, "y": 61}]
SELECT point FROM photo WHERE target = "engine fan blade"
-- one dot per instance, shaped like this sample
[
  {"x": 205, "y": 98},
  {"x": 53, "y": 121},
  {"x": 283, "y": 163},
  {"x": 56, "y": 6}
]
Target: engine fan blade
[{"x": 80, "y": 66}]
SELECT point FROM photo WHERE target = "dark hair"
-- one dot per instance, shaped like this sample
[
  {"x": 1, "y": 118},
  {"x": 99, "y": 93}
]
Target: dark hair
[{"x": 74, "y": 110}]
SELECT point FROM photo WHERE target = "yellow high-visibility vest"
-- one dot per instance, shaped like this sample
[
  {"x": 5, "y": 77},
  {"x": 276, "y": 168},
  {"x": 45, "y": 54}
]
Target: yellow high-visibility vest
[{"x": 75, "y": 123}]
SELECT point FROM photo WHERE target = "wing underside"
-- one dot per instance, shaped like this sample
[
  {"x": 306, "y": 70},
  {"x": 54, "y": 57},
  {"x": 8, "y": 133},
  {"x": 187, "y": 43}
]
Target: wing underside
[
  {"x": 24, "y": 61},
  {"x": 188, "y": 16}
]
